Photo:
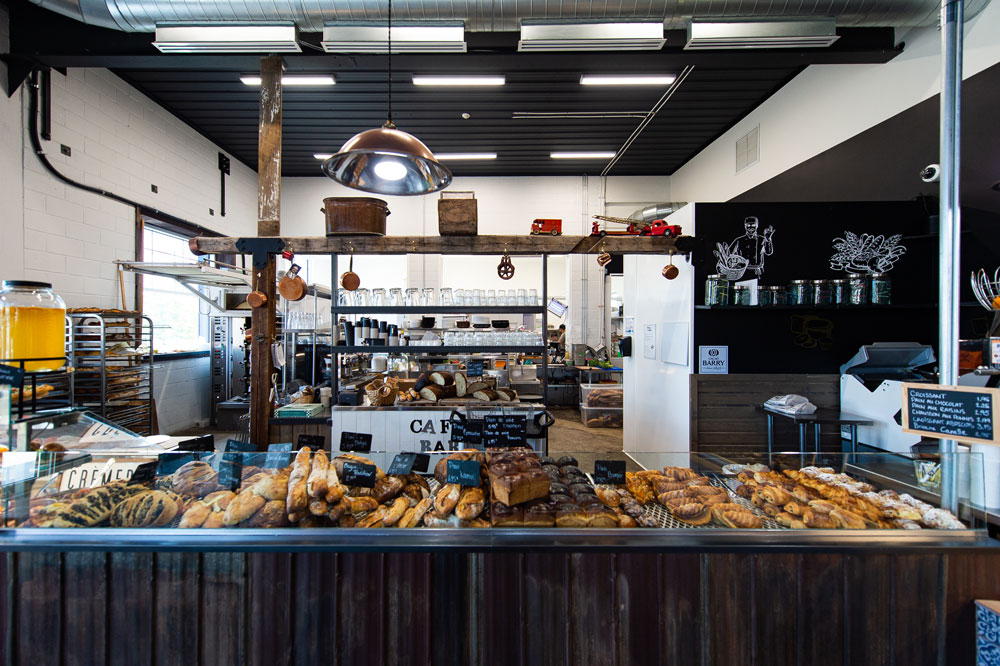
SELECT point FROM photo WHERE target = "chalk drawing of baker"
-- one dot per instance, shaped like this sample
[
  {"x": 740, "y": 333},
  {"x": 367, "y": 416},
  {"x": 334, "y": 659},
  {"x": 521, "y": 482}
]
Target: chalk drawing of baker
[{"x": 753, "y": 246}]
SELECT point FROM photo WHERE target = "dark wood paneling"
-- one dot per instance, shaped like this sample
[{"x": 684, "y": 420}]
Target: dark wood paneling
[
  {"x": 130, "y": 608},
  {"x": 85, "y": 602},
  {"x": 37, "y": 616},
  {"x": 822, "y": 616},
  {"x": 810, "y": 609},
  {"x": 314, "y": 596},
  {"x": 176, "y": 609},
  {"x": 360, "y": 584},
  {"x": 270, "y": 609},
  {"x": 222, "y": 604},
  {"x": 724, "y": 416}
]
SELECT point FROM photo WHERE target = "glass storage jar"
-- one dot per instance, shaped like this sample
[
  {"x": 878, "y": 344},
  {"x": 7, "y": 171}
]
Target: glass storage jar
[
  {"x": 32, "y": 325},
  {"x": 881, "y": 289},
  {"x": 716, "y": 290},
  {"x": 800, "y": 293},
  {"x": 822, "y": 292},
  {"x": 742, "y": 295},
  {"x": 839, "y": 292},
  {"x": 778, "y": 295},
  {"x": 858, "y": 289},
  {"x": 765, "y": 296}
]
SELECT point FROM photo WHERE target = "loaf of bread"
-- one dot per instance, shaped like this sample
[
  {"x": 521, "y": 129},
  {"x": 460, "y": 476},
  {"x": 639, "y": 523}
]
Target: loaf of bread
[
  {"x": 471, "y": 503},
  {"x": 442, "y": 378},
  {"x": 152, "y": 508},
  {"x": 516, "y": 476},
  {"x": 609, "y": 397},
  {"x": 316, "y": 485},
  {"x": 297, "y": 500}
]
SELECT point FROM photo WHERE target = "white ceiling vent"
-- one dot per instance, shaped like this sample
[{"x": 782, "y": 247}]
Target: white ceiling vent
[
  {"x": 406, "y": 38},
  {"x": 748, "y": 149},
  {"x": 256, "y": 38},
  {"x": 751, "y": 34},
  {"x": 644, "y": 36}
]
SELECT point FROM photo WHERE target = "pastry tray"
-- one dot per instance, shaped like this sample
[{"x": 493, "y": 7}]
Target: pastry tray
[{"x": 659, "y": 513}]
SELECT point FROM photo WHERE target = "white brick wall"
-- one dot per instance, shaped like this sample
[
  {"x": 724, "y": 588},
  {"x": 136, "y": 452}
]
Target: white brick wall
[
  {"x": 182, "y": 392},
  {"x": 121, "y": 142}
]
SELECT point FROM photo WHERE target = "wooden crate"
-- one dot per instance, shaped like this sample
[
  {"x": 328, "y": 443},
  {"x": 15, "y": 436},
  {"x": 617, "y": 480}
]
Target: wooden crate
[{"x": 458, "y": 216}]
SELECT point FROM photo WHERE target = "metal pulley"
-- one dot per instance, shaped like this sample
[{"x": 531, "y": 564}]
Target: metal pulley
[{"x": 506, "y": 269}]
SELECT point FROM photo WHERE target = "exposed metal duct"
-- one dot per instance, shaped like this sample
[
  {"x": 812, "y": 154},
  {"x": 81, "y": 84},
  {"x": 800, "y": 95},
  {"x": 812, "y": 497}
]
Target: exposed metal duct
[
  {"x": 489, "y": 15},
  {"x": 657, "y": 211}
]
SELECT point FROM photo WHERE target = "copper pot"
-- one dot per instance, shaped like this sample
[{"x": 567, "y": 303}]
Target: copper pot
[{"x": 355, "y": 216}]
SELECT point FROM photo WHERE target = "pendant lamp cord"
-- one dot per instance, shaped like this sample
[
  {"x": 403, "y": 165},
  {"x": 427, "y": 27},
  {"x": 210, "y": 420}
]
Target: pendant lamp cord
[{"x": 390, "y": 61}]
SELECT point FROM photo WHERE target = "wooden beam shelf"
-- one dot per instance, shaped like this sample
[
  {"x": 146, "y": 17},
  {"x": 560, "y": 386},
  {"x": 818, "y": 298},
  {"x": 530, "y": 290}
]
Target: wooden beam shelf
[{"x": 515, "y": 245}]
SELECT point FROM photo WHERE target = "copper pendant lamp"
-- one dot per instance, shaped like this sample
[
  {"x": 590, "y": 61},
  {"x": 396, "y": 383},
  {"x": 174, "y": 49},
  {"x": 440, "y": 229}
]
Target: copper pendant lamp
[{"x": 386, "y": 160}]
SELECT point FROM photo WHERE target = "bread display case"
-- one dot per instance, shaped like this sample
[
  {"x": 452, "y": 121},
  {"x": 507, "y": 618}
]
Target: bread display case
[{"x": 474, "y": 499}]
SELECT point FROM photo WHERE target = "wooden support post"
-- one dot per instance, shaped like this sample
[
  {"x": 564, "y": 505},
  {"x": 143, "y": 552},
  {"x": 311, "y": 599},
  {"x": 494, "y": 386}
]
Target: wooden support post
[{"x": 268, "y": 224}]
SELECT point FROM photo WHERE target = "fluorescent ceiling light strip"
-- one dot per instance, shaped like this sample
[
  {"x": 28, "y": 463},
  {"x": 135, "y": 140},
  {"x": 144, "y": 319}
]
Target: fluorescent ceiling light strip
[
  {"x": 294, "y": 80},
  {"x": 322, "y": 156},
  {"x": 465, "y": 156},
  {"x": 419, "y": 80},
  {"x": 557, "y": 115},
  {"x": 626, "y": 79},
  {"x": 591, "y": 155},
  {"x": 226, "y": 38}
]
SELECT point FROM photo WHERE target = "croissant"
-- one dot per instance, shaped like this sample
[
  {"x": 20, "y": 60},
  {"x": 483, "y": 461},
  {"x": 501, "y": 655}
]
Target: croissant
[
  {"x": 848, "y": 520},
  {"x": 788, "y": 520},
  {"x": 822, "y": 506},
  {"x": 774, "y": 495},
  {"x": 796, "y": 508},
  {"x": 736, "y": 517},
  {"x": 817, "y": 520}
]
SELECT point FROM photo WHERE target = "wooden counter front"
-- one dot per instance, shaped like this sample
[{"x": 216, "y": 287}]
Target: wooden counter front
[{"x": 771, "y": 608}]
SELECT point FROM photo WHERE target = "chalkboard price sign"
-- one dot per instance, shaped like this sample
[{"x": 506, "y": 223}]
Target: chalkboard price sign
[
  {"x": 951, "y": 412},
  {"x": 358, "y": 474},
  {"x": 458, "y": 431},
  {"x": 463, "y": 472},
  {"x": 404, "y": 463},
  {"x": 278, "y": 455},
  {"x": 355, "y": 441},
  {"x": 504, "y": 430},
  {"x": 240, "y": 452},
  {"x": 474, "y": 368},
  {"x": 474, "y": 433},
  {"x": 314, "y": 442},
  {"x": 13, "y": 376},
  {"x": 609, "y": 471}
]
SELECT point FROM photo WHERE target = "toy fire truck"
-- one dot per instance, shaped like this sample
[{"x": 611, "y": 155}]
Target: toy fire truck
[{"x": 540, "y": 226}]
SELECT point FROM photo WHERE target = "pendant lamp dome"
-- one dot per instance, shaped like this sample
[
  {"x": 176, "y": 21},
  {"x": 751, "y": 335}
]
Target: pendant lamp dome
[{"x": 386, "y": 160}]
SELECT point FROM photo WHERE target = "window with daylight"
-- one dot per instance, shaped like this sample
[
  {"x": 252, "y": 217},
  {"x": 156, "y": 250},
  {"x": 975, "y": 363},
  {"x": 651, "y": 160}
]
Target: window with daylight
[{"x": 178, "y": 322}]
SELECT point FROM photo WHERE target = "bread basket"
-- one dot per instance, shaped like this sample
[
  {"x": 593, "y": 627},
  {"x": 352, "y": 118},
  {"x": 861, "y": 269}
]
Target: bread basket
[{"x": 382, "y": 391}]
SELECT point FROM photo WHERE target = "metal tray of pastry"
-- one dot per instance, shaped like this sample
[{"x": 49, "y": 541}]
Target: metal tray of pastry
[{"x": 659, "y": 513}]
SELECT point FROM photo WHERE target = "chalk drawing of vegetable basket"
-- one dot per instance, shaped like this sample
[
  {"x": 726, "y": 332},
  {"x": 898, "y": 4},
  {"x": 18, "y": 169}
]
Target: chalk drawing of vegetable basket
[{"x": 732, "y": 266}]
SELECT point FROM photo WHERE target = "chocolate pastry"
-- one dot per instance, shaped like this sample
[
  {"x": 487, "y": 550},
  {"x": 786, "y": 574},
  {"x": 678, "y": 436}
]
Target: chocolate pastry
[
  {"x": 599, "y": 515},
  {"x": 560, "y": 499},
  {"x": 567, "y": 460},
  {"x": 570, "y": 470},
  {"x": 558, "y": 489},
  {"x": 570, "y": 515},
  {"x": 548, "y": 460},
  {"x": 539, "y": 514},
  {"x": 506, "y": 516}
]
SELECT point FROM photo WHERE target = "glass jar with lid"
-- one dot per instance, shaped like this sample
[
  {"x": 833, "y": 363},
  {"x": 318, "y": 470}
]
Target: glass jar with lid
[
  {"x": 839, "y": 291},
  {"x": 800, "y": 292},
  {"x": 716, "y": 290},
  {"x": 881, "y": 289},
  {"x": 765, "y": 296},
  {"x": 779, "y": 295},
  {"x": 742, "y": 295},
  {"x": 857, "y": 289},
  {"x": 32, "y": 325},
  {"x": 822, "y": 292}
]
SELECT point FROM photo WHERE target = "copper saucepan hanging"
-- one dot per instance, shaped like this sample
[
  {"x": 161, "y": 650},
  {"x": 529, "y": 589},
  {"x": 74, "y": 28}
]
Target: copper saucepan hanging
[
  {"x": 291, "y": 286},
  {"x": 670, "y": 271},
  {"x": 349, "y": 280}
]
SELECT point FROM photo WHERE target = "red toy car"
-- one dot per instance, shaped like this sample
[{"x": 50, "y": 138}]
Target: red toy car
[
  {"x": 553, "y": 227},
  {"x": 661, "y": 228}
]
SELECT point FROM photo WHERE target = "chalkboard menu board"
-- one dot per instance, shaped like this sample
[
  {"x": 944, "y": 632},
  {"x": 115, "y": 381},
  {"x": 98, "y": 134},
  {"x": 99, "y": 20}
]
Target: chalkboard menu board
[
  {"x": 504, "y": 430},
  {"x": 360, "y": 442},
  {"x": 474, "y": 368},
  {"x": 358, "y": 474},
  {"x": 469, "y": 433},
  {"x": 951, "y": 412},
  {"x": 14, "y": 376},
  {"x": 404, "y": 463}
]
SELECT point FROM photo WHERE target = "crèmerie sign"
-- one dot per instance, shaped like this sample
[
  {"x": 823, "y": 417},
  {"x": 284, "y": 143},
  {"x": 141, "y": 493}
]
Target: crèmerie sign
[{"x": 713, "y": 360}]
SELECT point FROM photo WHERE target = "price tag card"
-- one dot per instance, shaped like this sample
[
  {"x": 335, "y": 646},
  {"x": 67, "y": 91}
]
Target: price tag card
[
  {"x": 241, "y": 452},
  {"x": 278, "y": 455},
  {"x": 474, "y": 433},
  {"x": 404, "y": 463},
  {"x": 609, "y": 471},
  {"x": 474, "y": 368},
  {"x": 11, "y": 375},
  {"x": 463, "y": 472},
  {"x": 314, "y": 442},
  {"x": 458, "y": 431},
  {"x": 358, "y": 474},
  {"x": 170, "y": 462},
  {"x": 231, "y": 465},
  {"x": 144, "y": 473},
  {"x": 360, "y": 442},
  {"x": 504, "y": 430}
]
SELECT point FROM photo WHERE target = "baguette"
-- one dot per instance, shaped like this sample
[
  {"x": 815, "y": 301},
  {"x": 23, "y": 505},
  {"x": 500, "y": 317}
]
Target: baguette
[
  {"x": 396, "y": 511},
  {"x": 316, "y": 485},
  {"x": 297, "y": 500},
  {"x": 414, "y": 515}
]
